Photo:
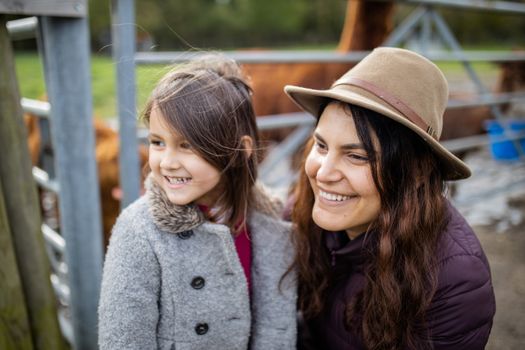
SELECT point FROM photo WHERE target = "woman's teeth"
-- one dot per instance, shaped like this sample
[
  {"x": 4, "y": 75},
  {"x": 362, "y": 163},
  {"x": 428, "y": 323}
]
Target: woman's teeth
[
  {"x": 178, "y": 180},
  {"x": 333, "y": 196}
]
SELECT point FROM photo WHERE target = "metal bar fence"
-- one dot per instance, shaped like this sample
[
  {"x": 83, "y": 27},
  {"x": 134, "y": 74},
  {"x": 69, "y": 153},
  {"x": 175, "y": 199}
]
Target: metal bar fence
[
  {"x": 67, "y": 66},
  {"x": 170, "y": 57},
  {"x": 64, "y": 42},
  {"x": 124, "y": 48}
]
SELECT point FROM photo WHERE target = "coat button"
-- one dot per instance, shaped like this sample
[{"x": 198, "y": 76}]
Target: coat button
[
  {"x": 198, "y": 282},
  {"x": 201, "y": 328},
  {"x": 185, "y": 234}
]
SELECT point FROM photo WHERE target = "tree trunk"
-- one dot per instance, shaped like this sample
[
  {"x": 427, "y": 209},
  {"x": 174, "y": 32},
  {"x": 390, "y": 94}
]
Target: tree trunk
[
  {"x": 22, "y": 209},
  {"x": 14, "y": 325}
]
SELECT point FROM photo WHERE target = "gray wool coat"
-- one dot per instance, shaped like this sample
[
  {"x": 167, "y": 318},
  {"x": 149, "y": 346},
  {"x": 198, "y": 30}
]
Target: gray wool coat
[{"x": 172, "y": 280}]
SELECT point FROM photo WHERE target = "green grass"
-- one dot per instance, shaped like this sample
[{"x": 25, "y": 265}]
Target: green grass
[
  {"x": 30, "y": 75},
  {"x": 456, "y": 67},
  {"x": 31, "y": 80}
]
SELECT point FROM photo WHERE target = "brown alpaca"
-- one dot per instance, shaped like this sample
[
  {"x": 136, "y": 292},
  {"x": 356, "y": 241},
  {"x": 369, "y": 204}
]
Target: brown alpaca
[
  {"x": 106, "y": 154},
  {"x": 367, "y": 25}
]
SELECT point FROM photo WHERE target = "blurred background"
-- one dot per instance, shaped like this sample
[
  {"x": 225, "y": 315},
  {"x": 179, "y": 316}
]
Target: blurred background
[{"x": 247, "y": 24}]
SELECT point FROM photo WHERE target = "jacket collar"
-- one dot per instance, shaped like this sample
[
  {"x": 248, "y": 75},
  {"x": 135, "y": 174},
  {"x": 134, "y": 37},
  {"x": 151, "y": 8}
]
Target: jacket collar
[
  {"x": 178, "y": 218},
  {"x": 346, "y": 251},
  {"x": 168, "y": 216}
]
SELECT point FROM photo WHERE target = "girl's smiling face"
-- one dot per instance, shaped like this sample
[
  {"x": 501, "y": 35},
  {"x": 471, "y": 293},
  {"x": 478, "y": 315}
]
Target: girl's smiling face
[
  {"x": 181, "y": 172},
  {"x": 346, "y": 198}
]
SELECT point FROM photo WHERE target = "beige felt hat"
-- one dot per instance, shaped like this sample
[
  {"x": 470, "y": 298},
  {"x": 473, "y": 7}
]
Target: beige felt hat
[{"x": 399, "y": 84}]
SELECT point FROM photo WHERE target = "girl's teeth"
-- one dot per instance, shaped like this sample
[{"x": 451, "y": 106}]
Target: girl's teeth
[
  {"x": 178, "y": 180},
  {"x": 333, "y": 196}
]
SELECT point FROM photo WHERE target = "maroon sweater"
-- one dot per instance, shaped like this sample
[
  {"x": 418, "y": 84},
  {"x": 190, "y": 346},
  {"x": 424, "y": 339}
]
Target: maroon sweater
[{"x": 461, "y": 312}]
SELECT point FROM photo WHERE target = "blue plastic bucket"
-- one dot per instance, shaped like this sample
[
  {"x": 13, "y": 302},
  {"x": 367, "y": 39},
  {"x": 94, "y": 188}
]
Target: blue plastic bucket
[{"x": 504, "y": 149}]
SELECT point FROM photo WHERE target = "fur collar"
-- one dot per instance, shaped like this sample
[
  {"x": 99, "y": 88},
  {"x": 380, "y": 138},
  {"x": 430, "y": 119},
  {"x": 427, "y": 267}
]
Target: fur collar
[
  {"x": 177, "y": 218},
  {"x": 168, "y": 216}
]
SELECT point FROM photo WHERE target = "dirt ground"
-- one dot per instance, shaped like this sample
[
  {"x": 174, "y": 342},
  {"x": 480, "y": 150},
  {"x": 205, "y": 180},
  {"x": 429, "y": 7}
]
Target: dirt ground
[
  {"x": 493, "y": 202},
  {"x": 506, "y": 254}
]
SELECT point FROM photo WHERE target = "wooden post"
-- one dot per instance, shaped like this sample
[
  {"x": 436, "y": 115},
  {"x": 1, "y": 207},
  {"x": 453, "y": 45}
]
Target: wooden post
[
  {"x": 14, "y": 325},
  {"x": 21, "y": 207}
]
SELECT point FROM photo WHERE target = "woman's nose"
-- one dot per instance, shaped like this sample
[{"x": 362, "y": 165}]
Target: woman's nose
[{"x": 328, "y": 170}]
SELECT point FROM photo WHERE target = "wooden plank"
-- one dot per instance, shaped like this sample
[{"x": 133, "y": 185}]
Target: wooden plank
[
  {"x": 14, "y": 324},
  {"x": 21, "y": 206}
]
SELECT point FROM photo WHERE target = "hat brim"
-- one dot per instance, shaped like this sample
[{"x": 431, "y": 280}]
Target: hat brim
[{"x": 312, "y": 100}]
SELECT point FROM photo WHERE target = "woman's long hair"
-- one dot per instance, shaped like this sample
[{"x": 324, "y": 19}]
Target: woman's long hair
[{"x": 401, "y": 275}]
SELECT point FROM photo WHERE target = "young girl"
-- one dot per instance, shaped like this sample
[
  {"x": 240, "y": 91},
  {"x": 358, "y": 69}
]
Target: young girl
[
  {"x": 384, "y": 260},
  {"x": 197, "y": 262}
]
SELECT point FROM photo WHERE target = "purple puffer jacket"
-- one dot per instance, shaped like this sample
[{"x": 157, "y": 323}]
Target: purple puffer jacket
[{"x": 460, "y": 314}]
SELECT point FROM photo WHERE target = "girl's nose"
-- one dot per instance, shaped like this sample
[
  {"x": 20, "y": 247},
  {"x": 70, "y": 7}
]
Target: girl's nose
[{"x": 169, "y": 160}]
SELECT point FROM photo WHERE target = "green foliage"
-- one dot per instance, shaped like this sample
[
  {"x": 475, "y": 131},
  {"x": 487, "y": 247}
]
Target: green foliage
[
  {"x": 182, "y": 24},
  {"x": 165, "y": 25},
  {"x": 227, "y": 24},
  {"x": 478, "y": 28},
  {"x": 481, "y": 27},
  {"x": 99, "y": 23}
]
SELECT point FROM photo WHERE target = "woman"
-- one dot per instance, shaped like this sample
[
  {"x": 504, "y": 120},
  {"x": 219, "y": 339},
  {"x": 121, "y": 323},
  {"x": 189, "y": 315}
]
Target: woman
[{"x": 384, "y": 260}]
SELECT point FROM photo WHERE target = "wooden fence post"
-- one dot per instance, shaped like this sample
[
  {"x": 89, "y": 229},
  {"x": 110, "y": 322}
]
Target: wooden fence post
[
  {"x": 21, "y": 206},
  {"x": 14, "y": 325}
]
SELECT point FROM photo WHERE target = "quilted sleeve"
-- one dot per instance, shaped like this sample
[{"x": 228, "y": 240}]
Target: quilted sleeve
[{"x": 461, "y": 312}]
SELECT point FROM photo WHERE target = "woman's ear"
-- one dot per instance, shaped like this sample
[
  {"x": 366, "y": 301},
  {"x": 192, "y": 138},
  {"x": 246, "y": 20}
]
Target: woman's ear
[{"x": 247, "y": 145}]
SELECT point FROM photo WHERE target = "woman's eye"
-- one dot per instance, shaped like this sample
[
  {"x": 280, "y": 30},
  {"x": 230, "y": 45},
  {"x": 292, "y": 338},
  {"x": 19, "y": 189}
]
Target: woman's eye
[
  {"x": 321, "y": 147},
  {"x": 357, "y": 158}
]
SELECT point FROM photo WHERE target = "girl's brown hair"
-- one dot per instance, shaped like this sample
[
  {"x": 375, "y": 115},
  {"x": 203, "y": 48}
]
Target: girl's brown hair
[
  {"x": 209, "y": 103},
  {"x": 401, "y": 273}
]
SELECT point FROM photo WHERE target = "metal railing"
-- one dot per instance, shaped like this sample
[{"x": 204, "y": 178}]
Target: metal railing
[
  {"x": 316, "y": 56},
  {"x": 55, "y": 243},
  {"x": 75, "y": 254}
]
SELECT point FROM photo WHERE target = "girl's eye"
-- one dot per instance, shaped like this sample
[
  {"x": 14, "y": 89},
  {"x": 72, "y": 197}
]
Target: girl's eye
[
  {"x": 156, "y": 143},
  {"x": 185, "y": 145}
]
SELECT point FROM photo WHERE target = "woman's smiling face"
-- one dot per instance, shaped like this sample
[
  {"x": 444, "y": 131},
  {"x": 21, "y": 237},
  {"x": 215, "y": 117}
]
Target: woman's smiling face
[
  {"x": 181, "y": 172},
  {"x": 346, "y": 197}
]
